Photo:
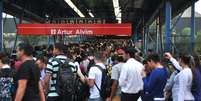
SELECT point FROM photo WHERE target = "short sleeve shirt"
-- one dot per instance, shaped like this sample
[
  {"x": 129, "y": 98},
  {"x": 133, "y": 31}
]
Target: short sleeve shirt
[
  {"x": 95, "y": 74},
  {"x": 30, "y": 71},
  {"x": 116, "y": 70}
]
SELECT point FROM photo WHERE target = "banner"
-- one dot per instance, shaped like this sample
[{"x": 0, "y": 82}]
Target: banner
[{"x": 74, "y": 29}]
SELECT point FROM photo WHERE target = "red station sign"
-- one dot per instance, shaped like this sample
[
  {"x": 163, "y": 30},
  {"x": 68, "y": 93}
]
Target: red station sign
[{"x": 74, "y": 29}]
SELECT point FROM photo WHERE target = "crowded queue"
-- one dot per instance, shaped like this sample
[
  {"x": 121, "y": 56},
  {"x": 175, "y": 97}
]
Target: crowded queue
[{"x": 102, "y": 71}]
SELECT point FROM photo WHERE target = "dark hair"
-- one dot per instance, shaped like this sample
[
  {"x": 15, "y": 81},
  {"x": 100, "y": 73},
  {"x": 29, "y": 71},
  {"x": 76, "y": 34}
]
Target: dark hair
[
  {"x": 150, "y": 50},
  {"x": 59, "y": 46},
  {"x": 154, "y": 57},
  {"x": 131, "y": 51},
  {"x": 99, "y": 56},
  {"x": 197, "y": 62},
  {"x": 144, "y": 62},
  {"x": 27, "y": 48},
  {"x": 114, "y": 58},
  {"x": 4, "y": 58},
  {"x": 185, "y": 59},
  {"x": 43, "y": 59}
]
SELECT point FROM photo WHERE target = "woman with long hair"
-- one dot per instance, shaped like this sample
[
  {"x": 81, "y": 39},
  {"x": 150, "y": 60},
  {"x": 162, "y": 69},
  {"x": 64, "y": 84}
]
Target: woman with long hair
[{"x": 183, "y": 81}]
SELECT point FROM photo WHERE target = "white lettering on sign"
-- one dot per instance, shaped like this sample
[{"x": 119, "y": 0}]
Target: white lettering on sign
[
  {"x": 84, "y": 32},
  {"x": 71, "y": 32}
]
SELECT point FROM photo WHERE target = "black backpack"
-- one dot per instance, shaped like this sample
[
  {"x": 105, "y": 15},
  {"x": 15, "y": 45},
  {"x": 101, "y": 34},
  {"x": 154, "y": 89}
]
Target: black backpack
[
  {"x": 67, "y": 79},
  {"x": 91, "y": 64},
  {"x": 106, "y": 83}
]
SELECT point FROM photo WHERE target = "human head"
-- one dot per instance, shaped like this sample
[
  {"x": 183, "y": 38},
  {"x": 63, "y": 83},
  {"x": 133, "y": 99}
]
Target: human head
[
  {"x": 99, "y": 57},
  {"x": 184, "y": 60},
  {"x": 3, "y": 59},
  {"x": 120, "y": 52},
  {"x": 129, "y": 53},
  {"x": 150, "y": 51},
  {"x": 147, "y": 67},
  {"x": 24, "y": 49},
  {"x": 153, "y": 60},
  {"x": 41, "y": 61},
  {"x": 58, "y": 49}
]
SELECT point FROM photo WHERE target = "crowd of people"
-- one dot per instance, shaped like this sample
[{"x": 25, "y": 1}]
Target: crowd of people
[{"x": 99, "y": 71}]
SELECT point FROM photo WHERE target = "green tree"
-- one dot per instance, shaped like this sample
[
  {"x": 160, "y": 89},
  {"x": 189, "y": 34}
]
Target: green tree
[{"x": 197, "y": 42}]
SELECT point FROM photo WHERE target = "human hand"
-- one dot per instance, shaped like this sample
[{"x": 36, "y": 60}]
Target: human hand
[{"x": 168, "y": 56}]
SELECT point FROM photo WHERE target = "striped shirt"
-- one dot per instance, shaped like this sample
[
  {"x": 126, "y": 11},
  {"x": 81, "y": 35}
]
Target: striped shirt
[{"x": 53, "y": 68}]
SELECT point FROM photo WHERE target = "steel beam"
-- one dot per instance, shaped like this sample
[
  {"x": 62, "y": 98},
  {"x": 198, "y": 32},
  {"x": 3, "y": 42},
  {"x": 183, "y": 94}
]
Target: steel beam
[
  {"x": 161, "y": 33},
  {"x": 155, "y": 13},
  {"x": 146, "y": 32},
  {"x": 157, "y": 35},
  {"x": 1, "y": 25},
  {"x": 177, "y": 20},
  {"x": 192, "y": 43},
  {"x": 168, "y": 16}
]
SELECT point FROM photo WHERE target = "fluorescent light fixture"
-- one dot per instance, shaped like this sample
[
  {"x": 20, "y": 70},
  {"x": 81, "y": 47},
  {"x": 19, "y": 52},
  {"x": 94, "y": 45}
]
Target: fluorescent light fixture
[
  {"x": 91, "y": 14},
  {"x": 70, "y": 3},
  {"x": 7, "y": 15},
  {"x": 117, "y": 10}
]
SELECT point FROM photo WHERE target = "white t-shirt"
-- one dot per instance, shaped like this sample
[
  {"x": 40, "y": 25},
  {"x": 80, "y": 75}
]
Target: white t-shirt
[
  {"x": 95, "y": 74},
  {"x": 130, "y": 79}
]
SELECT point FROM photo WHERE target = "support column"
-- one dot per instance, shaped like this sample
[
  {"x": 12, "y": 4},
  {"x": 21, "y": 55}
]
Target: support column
[
  {"x": 192, "y": 42},
  {"x": 146, "y": 32},
  {"x": 161, "y": 33},
  {"x": 157, "y": 36},
  {"x": 144, "y": 40},
  {"x": 1, "y": 25},
  {"x": 168, "y": 15}
]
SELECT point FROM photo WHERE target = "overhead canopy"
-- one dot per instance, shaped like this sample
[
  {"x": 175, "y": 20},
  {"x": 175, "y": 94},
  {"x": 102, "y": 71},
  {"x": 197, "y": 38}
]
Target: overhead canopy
[{"x": 133, "y": 11}]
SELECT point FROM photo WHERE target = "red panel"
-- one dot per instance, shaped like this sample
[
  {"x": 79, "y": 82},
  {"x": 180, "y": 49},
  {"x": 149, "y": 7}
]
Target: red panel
[{"x": 74, "y": 29}]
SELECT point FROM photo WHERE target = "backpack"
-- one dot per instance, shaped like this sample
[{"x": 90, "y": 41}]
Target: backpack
[
  {"x": 67, "y": 79},
  {"x": 91, "y": 64},
  {"x": 106, "y": 83}
]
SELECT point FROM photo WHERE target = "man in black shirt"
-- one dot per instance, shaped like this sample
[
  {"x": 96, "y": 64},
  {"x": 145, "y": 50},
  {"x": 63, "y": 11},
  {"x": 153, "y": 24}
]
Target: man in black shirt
[{"x": 28, "y": 76}]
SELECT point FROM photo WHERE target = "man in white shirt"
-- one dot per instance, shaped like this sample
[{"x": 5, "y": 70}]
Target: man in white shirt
[
  {"x": 130, "y": 80},
  {"x": 95, "y": 78}
]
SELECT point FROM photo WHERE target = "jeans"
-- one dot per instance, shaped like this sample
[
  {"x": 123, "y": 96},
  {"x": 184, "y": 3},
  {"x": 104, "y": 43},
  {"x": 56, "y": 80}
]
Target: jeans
[{"x": 96, "y": 99}]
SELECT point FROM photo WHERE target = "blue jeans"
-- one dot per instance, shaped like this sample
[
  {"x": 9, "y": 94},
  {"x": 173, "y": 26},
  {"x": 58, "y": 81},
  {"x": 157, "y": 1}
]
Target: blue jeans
[{"x": 96, "y": 99}]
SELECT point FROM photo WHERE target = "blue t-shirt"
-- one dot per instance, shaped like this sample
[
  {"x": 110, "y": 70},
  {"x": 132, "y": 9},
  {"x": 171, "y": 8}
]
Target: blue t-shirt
[{"x": 156, "y": 83}]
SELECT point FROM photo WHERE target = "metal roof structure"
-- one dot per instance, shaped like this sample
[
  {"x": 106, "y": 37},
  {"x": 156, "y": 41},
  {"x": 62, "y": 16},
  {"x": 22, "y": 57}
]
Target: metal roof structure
[{"x": 132, "y": 10}]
